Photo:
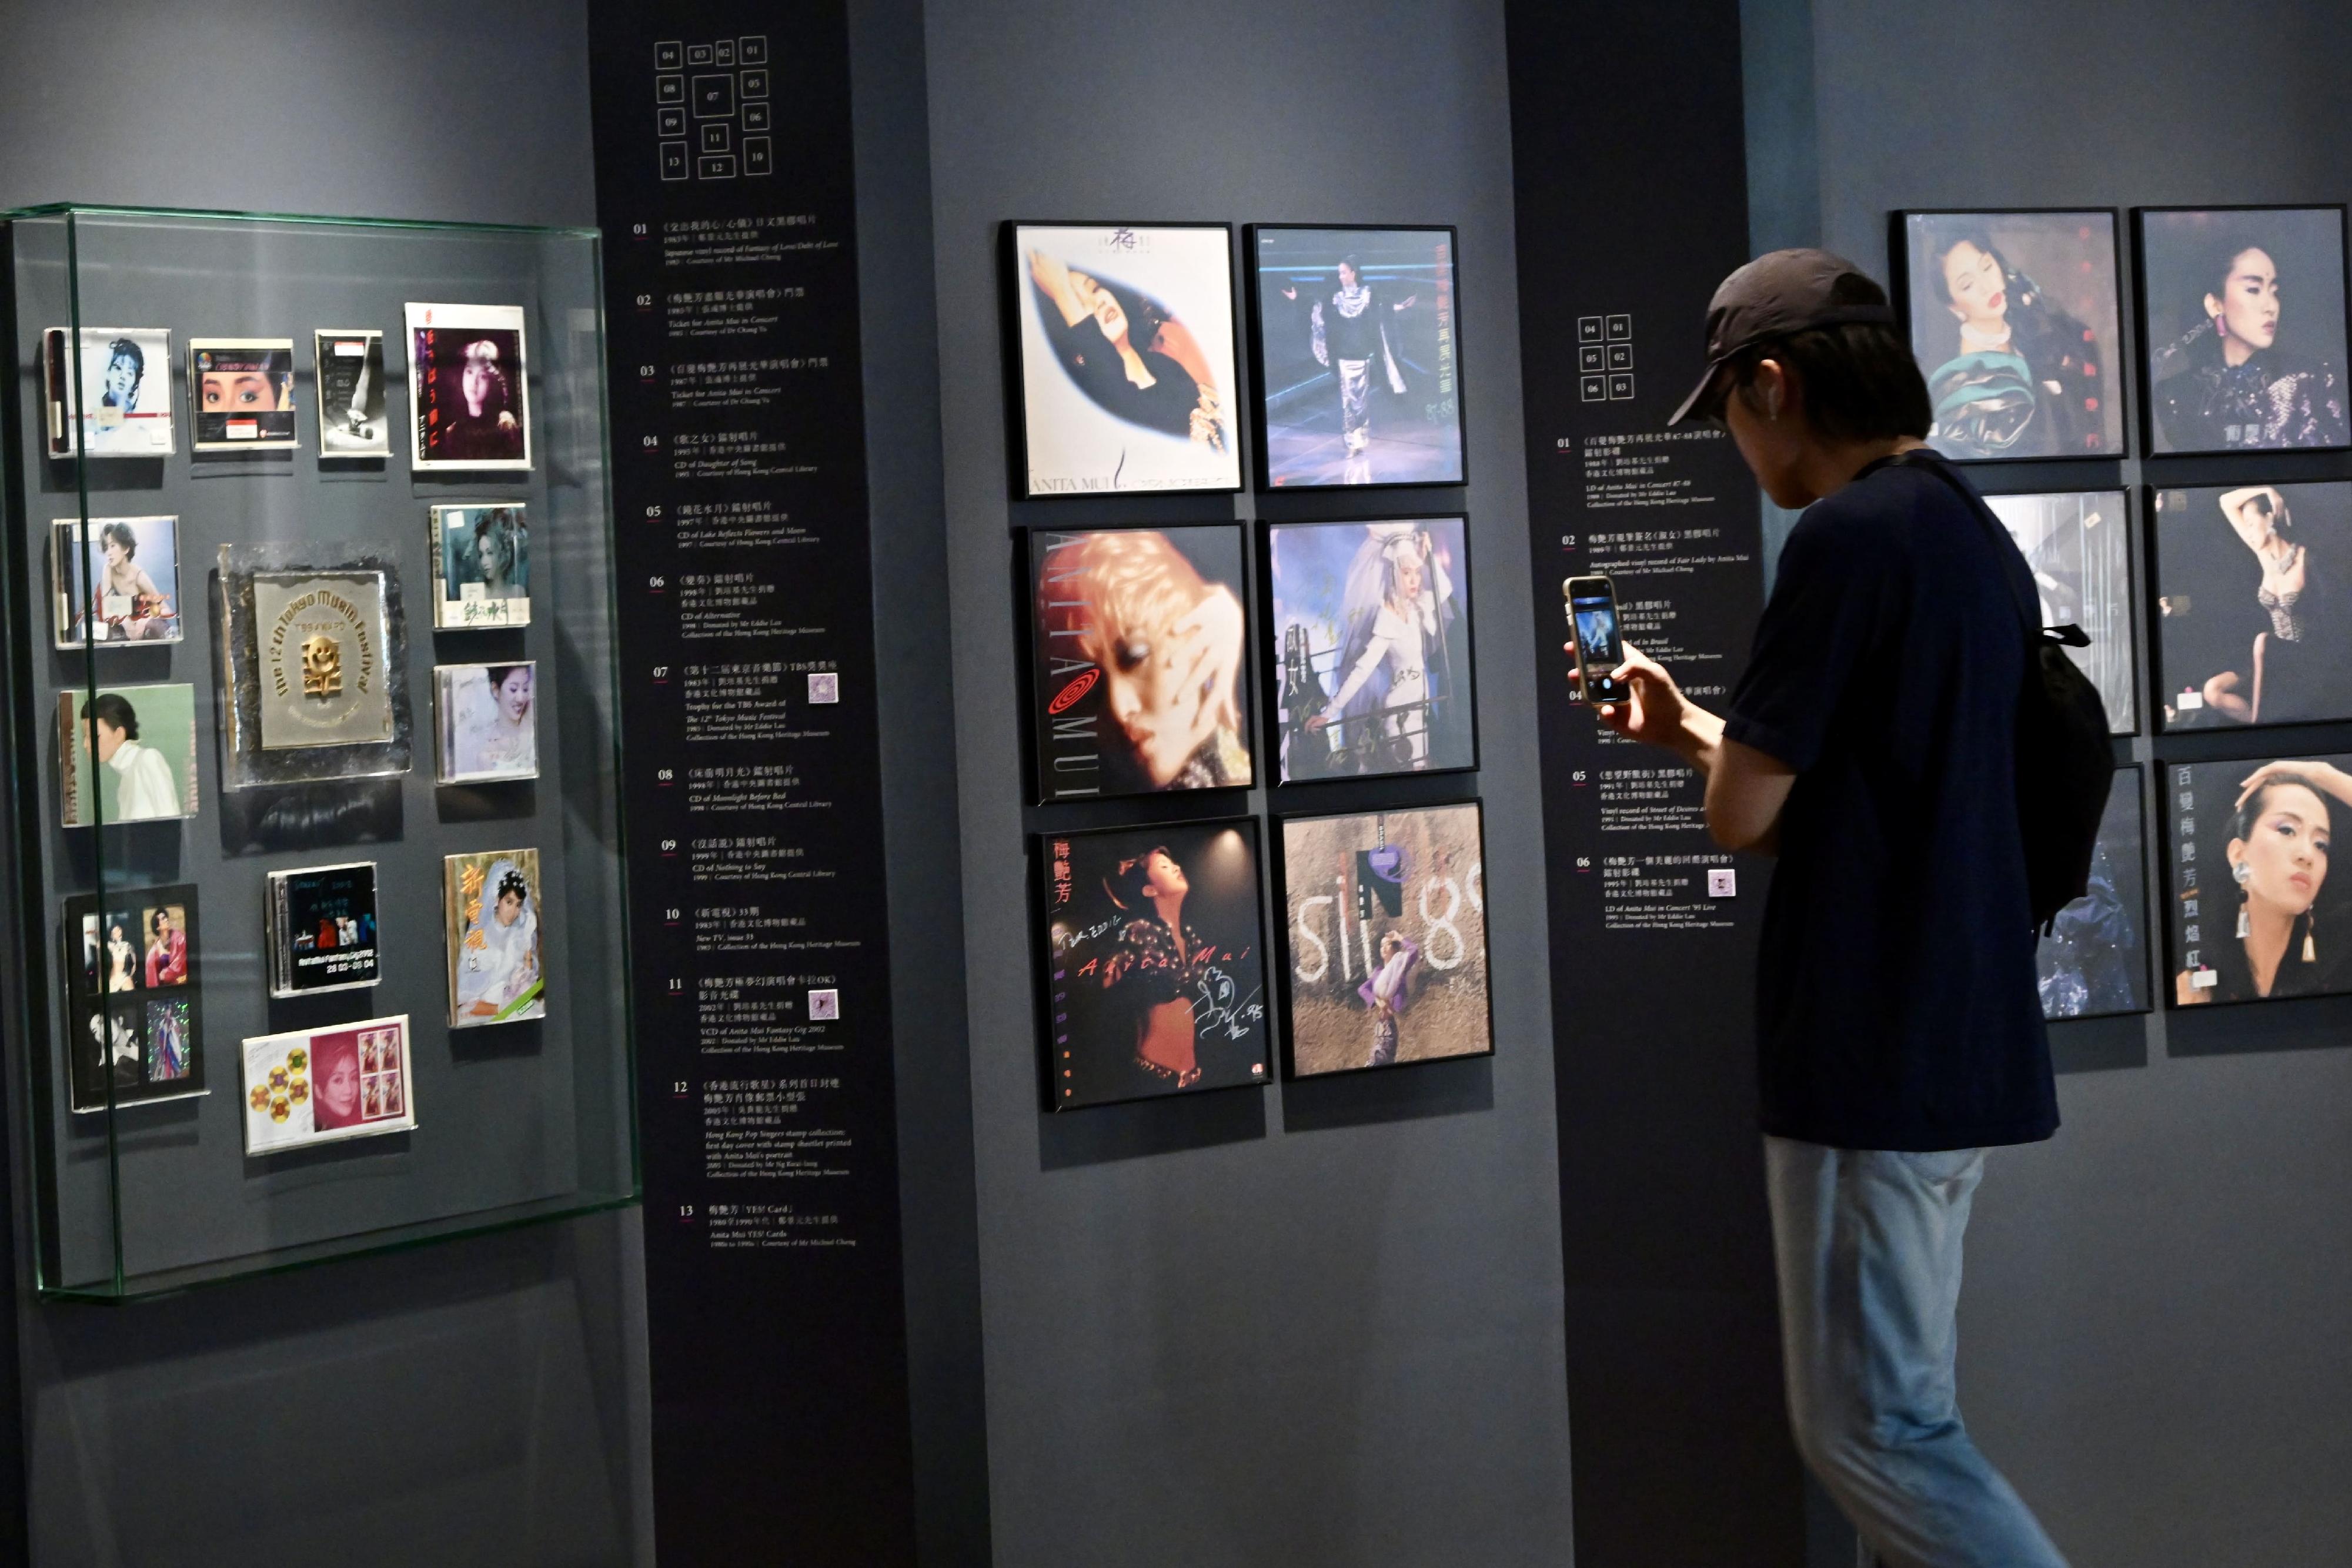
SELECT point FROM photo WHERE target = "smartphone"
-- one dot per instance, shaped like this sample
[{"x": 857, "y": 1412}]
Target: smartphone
[{"x": 1593, "y": 614}]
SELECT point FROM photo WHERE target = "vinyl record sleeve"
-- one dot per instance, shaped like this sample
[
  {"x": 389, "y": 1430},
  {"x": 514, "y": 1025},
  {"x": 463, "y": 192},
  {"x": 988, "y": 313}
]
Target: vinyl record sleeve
[
  {"x": 133, "y": 992},
  {"x": 492, "y": 912},
  {"x": 125, "y": 392},
  {"x": 468, "y": 388},
  {"x": 322, "y": 1086},
  {"x": 123, "y": 589},
  {"x": 2254, "y": 594},
  {"x": 2255, "y": 913},
  {"x": 2094, "y": 960},
  {"x": 242, "y": 393},
  {"x": 482, "y": 557},
  {"x": 323, "y": 929},
  {"x": 352, "y": 420}
]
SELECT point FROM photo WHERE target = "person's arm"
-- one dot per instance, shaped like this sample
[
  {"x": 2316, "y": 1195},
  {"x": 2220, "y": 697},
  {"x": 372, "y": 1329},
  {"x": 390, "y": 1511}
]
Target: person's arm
[
  {"x": 2252, "y": 528},
  {"x": 1376, "y": 648},
  {"x": 2329, "y": 778},
  {"x": 1745, "y": 787},
  {"x": 1055, "y": 278}
]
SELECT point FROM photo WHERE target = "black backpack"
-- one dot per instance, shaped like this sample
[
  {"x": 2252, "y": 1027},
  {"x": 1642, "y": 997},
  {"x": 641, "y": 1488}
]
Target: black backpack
[{"x": 2066, "y": 759}]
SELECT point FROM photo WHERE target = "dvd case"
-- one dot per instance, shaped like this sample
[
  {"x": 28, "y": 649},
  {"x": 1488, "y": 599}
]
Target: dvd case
[{"x": 323, "y": 929}]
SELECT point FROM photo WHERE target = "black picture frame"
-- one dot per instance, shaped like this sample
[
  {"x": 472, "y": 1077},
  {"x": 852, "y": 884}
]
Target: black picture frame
[
  {"x": 1066, "y": 1084},
  {"x": 2195, "y": 802},
  {"x": 86, "y": 995},
  {"x": 2173, "y": 573},
  {"x": 1043, "y": 691},
  {"x": 2115, "y": 373},
  {"x": 2056, "y": 959},
  {"x": 1286, "y": 986},
  {"x": 2132, "y": 603},
  {"x": 1262, "y": 441},
  {"x": 1018, "y": 416},
  {"x": 1272, "y": 658},
  {"x": 2146, "y": 370}
]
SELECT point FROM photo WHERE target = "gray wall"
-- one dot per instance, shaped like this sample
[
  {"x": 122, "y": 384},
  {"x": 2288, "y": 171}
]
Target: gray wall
[
  {"x": 2153, "y": 1325},
  {"x": 1314, "y": 1324},
  {"x": 476, "y": 1402}
]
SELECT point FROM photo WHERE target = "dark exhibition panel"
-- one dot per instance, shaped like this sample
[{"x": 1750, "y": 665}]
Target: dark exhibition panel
[{"x": 1070, "y": 986}]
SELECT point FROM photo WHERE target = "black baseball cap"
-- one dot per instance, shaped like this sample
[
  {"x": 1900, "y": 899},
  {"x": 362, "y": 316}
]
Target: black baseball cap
[{"x": 1777, "y": 296}]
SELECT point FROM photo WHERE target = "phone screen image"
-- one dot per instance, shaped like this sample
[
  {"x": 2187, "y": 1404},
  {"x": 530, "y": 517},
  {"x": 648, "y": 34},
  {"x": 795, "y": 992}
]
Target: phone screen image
[{"x": 1596, "y": 645}]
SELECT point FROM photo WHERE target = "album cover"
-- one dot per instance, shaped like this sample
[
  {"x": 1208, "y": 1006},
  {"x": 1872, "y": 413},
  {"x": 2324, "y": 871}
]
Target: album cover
[
  {"x": 2078, "y": 545},
  {"x": 321, "y": 1086},
  {"x": 1369, "y": 646},
  {"x": 352, "y": 418},
  {"x": 2093, "y": 959},
  {"x": 1124, "y": 349},
  {"x": 484, "y": 554},
  {"x": 242, "y": 393},
  {"x": 1138, "y": 642},
  {"x": 1154, "y": 968},
  {"x": 491, "y": 908},
  {"x": 2251, "y": 628},
  {"x": 1385, "y": 939},
  {"x": 487, "y": 722},
  {"x": 321, "y": 645},
  {"x": 2256, "y": 916},
  {"x": 125, "y": 392},
  {"x": 1354, "y": 339},
  {"x": 134, "y": 1016},
  {"x": 126, "y": 754},
  {"x": 468, "y": 380},
  {"x": 323, "y": 933},
  {"x": 2015, "y": 322},
  {"x": 2242, "y": 325},
  {"x": 117, "y": 584}
]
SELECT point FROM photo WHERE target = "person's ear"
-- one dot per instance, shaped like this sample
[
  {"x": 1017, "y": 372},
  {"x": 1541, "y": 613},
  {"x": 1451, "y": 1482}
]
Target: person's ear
[{"x": 2212, "y": 306}]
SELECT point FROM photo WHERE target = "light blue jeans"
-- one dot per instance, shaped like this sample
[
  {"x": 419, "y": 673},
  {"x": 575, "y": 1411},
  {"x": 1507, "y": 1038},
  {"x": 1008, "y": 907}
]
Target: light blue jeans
[{"x": 1868, "y": 1248}]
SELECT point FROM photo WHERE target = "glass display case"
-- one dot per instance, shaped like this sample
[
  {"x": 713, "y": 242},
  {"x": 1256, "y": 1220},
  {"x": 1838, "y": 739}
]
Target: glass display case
[{"x": 316, "y": 937}]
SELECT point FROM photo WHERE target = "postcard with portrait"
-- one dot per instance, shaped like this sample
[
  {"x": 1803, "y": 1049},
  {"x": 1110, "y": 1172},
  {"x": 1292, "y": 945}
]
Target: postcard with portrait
[
  {"x": 121, "y": 398},
  {"x": 1356, "y": 340},
  {"x": 466, "y": 381},
  {"x": 487, "y": 722},
  {"x": 483, "y": 557},
  {"x": 242, "y": 393},
  {"x": 2242, "y": 329},
  {"x": 352, "y": 421},
  {"x": 117, "y": 582},
  {"x": 497, "y": 971},
  {"x": 1369, "y": 647},
  {"x": 1138, "y": 643},
  {"x": 134, "y": 1015},
  {"x": 321, "y": 1086},
  {"x": 1125, "y": 342},
  {"x": 2015, "y": 322},
  {"x": 2078, "y": 544},
  {"x": 322, "y": 930},
  {"x": 2255, "y": 915},
  {"x": 126, "y": 754},
  {"x": 1154, "y": 961},
  {"x": 1385, "y": 939},
  {"x": 2247, "y": 629}
]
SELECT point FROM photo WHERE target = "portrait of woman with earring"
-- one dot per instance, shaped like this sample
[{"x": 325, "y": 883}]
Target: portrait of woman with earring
[{"x": 2281, "y": 831}]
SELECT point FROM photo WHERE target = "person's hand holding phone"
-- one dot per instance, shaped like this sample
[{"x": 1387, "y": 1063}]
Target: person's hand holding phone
[{"x": 1654, "y": 706}]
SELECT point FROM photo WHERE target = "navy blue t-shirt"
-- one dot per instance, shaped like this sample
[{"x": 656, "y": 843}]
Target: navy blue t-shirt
[{"x": 1895, "y": 997}]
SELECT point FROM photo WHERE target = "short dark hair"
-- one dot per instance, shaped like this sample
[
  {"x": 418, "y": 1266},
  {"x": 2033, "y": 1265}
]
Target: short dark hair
[
  {"x": 119, "y": 534},
  {"x": 113, "y": 710},
  {"x": 1859, "y": 380}
]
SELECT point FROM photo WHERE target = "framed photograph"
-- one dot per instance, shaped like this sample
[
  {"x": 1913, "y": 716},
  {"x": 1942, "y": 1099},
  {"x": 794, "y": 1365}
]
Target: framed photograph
[
  {"x": 2093, "y": 959},
  {"x": 126, "y": 754},
  {"x": 1154, "y": 959},
  {"x": 322, "y": 930},
  {"x": 490, "y": 907},
  {"x": 2247, "y": 630},
  {"x": 2254, "y": 915},
  {"x": 1368, "y": 648},
  {"x": 1123, "y": 358},
  {"x": 468, "y": 380},
  {"x": 134, "y": 1016},
  {"x": 2016, "y": 321},
  {"x": 1385, "y": 939},
  {"x": 242, "y": 390},
  {"x": 352, "y": 420},
  {"x": 484, "y": 556},
  {"x": 124, "y": 392},
  {"x": 1356, "y": 352},
  {"x": 2241, "y": 328},
  {"x": 324, "y": 1085},
  {"x": 117, "y": 583},
  {"x": 1139, "y": 643},
  {"x": 2078, "y": 543},
  {"x": 487, "y": 722}
]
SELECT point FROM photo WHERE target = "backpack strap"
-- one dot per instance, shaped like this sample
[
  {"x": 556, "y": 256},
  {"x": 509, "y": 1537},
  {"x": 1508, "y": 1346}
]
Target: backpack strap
[{"x": 1923, "y": 458}]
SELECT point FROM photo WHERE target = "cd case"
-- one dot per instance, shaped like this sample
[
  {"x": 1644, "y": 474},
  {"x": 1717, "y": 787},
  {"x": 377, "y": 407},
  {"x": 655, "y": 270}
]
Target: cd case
[
  {"x": 352, "y": 422},
  {"x": 491, "y": 904},
  {"x": 122, "y": 403},
  {"x": 242, "y": 390},
  {"x": 323, "y": 929}
]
